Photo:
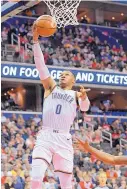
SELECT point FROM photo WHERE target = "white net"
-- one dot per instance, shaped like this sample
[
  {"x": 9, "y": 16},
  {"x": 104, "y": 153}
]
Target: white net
[{"x": 64, "y": 12}]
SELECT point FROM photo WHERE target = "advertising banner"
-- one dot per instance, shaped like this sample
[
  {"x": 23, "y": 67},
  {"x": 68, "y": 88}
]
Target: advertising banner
[{"x": 82, "y": 76}]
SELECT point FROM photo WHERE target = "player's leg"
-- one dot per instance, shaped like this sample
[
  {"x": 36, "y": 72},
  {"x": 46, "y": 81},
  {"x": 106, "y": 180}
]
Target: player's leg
[
  {"x": 65, "y": 180},
  {"x": 63, "y": 164},
  {"x": 41, "y": 159},
  {"x": 38, "y": 170}
]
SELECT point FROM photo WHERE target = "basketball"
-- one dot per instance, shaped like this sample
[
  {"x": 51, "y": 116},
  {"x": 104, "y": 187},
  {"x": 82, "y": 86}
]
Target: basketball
[{"x": 46, "y": 25}]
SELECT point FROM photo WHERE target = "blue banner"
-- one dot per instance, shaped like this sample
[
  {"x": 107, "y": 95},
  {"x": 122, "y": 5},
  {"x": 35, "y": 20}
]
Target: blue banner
[{"x": 82, "y": 76}]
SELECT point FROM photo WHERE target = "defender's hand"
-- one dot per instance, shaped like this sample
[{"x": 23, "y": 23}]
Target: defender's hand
[
  {"x": 81, "y": 145},
  {"x": 35, "y": 33}
]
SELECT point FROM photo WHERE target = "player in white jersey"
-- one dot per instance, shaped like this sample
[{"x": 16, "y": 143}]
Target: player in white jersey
[{"x": 59, "y": 110}]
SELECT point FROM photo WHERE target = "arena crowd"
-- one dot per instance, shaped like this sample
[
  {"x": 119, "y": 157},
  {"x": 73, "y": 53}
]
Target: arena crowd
[
  {"x": 70, "y": 47},
  {"x": 18, "y": 139}
]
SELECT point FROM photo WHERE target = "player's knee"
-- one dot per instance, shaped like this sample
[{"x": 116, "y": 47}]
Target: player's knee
[
  {"x": 65, "y": 180},
  {"x": 36, "y": 183},
  {"x": 38, "y": 171}
]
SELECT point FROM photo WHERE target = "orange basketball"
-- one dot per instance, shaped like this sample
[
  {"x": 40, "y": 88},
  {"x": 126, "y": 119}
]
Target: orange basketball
[{"x": 46, "y": 25}]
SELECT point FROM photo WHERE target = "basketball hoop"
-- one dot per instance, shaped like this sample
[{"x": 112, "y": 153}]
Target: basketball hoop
[{"x": 64, "y": 11}]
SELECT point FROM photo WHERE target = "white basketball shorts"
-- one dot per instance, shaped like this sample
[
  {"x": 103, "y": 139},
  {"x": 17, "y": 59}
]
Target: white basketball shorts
[{"x": 52, "y": 146}]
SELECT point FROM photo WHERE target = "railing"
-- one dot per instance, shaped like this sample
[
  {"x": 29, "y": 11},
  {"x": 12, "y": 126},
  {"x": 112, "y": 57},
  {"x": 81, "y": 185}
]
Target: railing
[
  {"x": 106, "y": 137},
  {"x": 28, "y": 46},
  {"x": 122, "y": 143},
  {"x": 89, "y": 124},
  {"x": 15, "y": 38}
]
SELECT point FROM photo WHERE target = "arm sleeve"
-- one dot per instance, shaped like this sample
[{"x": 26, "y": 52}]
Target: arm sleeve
[
  {"x": 84, "y": 104},
  {"x": 40, "y": 63}
]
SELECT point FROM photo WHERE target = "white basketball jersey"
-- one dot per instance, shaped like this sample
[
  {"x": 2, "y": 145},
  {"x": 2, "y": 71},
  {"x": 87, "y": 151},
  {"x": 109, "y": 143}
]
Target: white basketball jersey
[{"x": 59, "y": 109}]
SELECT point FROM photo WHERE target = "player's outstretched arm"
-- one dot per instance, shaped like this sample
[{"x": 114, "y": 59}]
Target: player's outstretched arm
[
  {"x": 102, "y": 156},
  {"x": 83, "y": 100},
  {"x": 44, "y": 74}
]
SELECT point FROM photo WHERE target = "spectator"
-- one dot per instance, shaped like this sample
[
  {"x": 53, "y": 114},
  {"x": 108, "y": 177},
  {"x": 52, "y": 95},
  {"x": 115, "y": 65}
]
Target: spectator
[
  {"x": 9, "y": 183},
  {"x": 111, "y": 174},
  {"x": 3, "y": 118},
  {"x": 37, "y": 119},
  {"x": 115, "y": 137},
  {"x": 86, "y": 183},
  {"x": 118, "y": 171},
  {"x": 102, "y": 179},
  {"x": 125, "y": 150},
  {"x": 94, "y": 108},
  {"x": 18, "y": 138},
  {"x": 4, "y": 35}
]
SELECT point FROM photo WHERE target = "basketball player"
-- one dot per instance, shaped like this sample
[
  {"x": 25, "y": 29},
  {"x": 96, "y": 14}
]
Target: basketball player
[
  {"x": 106, "y": 158},
  {"x": 59, "y": 110}
]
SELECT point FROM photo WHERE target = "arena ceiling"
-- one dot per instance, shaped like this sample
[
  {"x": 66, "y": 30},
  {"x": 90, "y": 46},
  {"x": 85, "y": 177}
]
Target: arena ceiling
[{"x": 111, "y": 9}]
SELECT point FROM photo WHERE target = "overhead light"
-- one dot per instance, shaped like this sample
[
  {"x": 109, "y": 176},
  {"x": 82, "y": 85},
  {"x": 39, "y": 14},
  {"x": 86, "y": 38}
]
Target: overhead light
[
  {"x": 122, "y": 14},
  {"x": 102, "y": 92},
  {"x": 24, "y": 91},
  {"x": 5, "y": 94},
  {"x": 113, "y": 92},
  {"x": 113, "y": 18}
]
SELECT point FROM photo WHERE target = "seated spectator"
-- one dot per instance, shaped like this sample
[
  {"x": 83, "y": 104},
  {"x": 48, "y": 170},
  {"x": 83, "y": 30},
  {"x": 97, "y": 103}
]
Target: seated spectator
[
  {"x": 94, "y": 108},
  {"x": 125, "y": 69},
  {"x": 98, "y": 165},
  {"x": 37, "y": 119},
  {"x": 22, "y": 30},
  {"x": 18, "y": 139},
  {"x": 82, "y": 48},
  {"x": 3, "y": 118},
  {"x": 4, "y": 35},
  {"x": 17, "y": 56},
  {"x": 111, "y": 174},
  {"x": 123, "y": 185},
  {"x": 97, "y": 136},
  {"x": 9, "y": 183},
  {"x": 125, "y": 150},
  {"x": 118, "y": 171},
  {"x": 106, "y": 104},
  {"x": 115, "y": 137},
  {"x": 86, "y": 183},
  {"x": 102, "y": 179},
  {"x": 89, "y": 134},
  {"x": 23, "y": 40}
]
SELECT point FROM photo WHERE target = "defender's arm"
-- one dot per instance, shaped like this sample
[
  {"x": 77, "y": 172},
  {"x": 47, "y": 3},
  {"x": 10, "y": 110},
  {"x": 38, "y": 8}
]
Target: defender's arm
[{"x": 102, "y": 156}]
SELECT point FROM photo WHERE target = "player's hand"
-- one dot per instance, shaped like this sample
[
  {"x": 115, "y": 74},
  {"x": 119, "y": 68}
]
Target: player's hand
[
  {"x": 82, "y": 93},
  {"x": 81, "y": 145},
  {"x": 35, "y": 33}
]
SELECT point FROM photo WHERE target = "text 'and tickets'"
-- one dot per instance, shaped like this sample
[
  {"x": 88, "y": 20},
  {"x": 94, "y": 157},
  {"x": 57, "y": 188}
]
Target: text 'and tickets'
[{"x": 87, "y": 76}]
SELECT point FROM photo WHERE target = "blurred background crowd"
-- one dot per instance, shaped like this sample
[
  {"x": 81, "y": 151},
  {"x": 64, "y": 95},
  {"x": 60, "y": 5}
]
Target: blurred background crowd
[
  {"x": 18, "y": 139},
  {"x": 79, "y": 47}
]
